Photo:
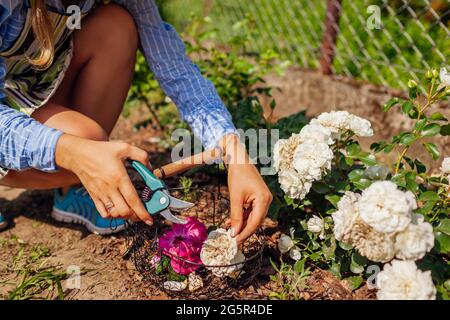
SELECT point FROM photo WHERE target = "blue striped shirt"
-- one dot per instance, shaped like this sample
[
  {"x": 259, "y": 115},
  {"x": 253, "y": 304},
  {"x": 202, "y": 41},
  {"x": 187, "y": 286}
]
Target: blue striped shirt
[{"x": 25, "y": 143}]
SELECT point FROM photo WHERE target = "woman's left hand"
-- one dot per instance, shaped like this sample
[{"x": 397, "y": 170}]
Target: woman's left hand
[{"x": 249, "y": 195}]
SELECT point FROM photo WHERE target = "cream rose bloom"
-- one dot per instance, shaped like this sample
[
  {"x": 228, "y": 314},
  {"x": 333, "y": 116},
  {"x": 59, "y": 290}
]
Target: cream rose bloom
[
  {"x": 283, "y": 152},
  {"x": 361, "y": 127},
  {"x": 219, "y": 249},
  {"x": 445, "y": 166},
  {"x": 341, "y": 121},
  {"x": 373, "y": 245},
  {"x": 312, "y": 160},
  {"x": 316, "y": 225},
  {"x": 401, "y": 280},
  {"x": 315, "y": 132},
  {"x": 292, "y": 184},
  {"x": 445, "y": 77},
  {"x": 285, "y": 243},
  {"x": 295, "y": 254},
  {"x": 345, "y": 216},
  {"x": 416, "y": 240},
  {"x": 385, "y": 208},
  {"x": 337, "y": 121}
]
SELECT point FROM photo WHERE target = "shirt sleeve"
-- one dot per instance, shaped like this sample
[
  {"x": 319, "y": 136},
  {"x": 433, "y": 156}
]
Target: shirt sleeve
[
  {"x": 24, "y": 142},
  {"x": 195, "y": 96}
]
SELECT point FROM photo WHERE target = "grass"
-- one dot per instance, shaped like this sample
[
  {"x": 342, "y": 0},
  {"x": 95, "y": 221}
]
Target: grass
[
  {"x": 290, "y": 280},
  {"x": 32, "y": 276},
  {"x": 401, "y": 50}
]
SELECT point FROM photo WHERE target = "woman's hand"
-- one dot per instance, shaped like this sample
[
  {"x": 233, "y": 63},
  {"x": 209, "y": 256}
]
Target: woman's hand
[
  {"x": 100, "y": 168},
  {"x": 249, "y": 195}
]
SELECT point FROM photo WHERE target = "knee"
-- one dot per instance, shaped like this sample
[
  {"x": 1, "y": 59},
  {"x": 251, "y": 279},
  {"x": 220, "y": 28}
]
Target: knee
[
  {"x": 87, "y": 129},
  {"x": 116, "y": 29}
]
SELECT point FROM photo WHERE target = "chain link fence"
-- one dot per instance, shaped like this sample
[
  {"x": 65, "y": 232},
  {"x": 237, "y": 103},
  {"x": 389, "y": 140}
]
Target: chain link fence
[{"x": 383, "y": 41}]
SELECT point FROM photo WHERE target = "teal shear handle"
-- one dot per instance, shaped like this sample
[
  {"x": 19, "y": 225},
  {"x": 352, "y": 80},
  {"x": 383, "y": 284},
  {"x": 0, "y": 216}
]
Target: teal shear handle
[{"x": 159, "y": 200}]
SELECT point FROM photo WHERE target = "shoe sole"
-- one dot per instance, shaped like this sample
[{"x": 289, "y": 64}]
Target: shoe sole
[
  {"x": 3, "y": 225},
  {"x": 68, "y": 217}
]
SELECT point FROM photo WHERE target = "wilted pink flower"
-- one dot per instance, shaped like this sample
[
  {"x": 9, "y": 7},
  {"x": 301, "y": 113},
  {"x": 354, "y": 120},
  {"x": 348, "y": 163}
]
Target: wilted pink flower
[{"x": 184, "y": 241}]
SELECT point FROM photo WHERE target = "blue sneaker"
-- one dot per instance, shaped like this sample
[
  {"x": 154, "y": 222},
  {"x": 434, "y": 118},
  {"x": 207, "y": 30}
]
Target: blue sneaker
[
  {"x": 77, "y": 207},
  {"x": 3, "y": 222}
]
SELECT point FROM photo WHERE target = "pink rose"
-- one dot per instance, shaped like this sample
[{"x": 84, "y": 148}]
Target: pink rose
[{"x": 184, "y": 241}]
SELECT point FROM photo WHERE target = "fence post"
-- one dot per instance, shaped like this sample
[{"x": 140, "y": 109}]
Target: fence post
[{"x": 330, "y": 33}]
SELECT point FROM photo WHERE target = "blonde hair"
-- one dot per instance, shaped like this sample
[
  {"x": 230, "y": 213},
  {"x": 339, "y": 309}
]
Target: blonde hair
[{"x": 44, "y": 33}]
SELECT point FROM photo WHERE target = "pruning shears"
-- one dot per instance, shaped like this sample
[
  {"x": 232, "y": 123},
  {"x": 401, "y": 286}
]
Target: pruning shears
[{"x": 156, "y": 197}]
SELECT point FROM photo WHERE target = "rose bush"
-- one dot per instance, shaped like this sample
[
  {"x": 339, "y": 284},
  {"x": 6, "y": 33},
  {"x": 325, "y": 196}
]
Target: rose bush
[{"x": 349, "y": 209}]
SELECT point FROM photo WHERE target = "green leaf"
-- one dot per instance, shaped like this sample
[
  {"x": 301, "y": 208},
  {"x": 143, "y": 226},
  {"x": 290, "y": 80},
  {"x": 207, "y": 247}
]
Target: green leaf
[
  {"x": 299, "y": 266},
  {"x": 443, "y": 242},
  {"x": 353, "y": 150},
  {"x": 320, "y": 187},
  {"x": 437, "y": 116},
  {"x": 389, "y": 148},
  {"x": 407, "y": 106},
  {"x": 388, "y": 105},
  {"x": 354, "y": 282},
  {"x": 368, "y": 159},
  {"x": 420, "y": 125},
  {"x": 408, "y": 139},
  {"x": 358, "y": 263},
  {"x": 356, "y": 175},
  {"x": 411, "y": 183},
  {"x": 445, "y": 130},
  {"x": 444, "y": 226},
  {"x": 430, "y": 130},
  {"x": 432, "y": 150},
  {"x": 362, "y": 184},
  {"x": 345, "y": 246},
  {"x": 429, "y": 196},
  {"x": 333, "y": 199},
  {"x": 335, "y": 269},
  {"x": 420, "y": 167}
]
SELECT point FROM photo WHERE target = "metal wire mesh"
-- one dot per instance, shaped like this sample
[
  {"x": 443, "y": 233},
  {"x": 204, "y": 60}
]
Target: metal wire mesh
[
  {"x": 383, "y": 41},
  {"x": 212, "y": 208}
]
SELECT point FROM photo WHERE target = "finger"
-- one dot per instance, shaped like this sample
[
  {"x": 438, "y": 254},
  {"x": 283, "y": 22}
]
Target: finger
[
  {"x": 132, "y": 198},
  {"x": 237, "y": 212},
  {"x": 255, "y": 220},
  {"x": 139, "y": 155},
  {"x": 121, "y": 208},
  {"x": 100, "y": 207}
]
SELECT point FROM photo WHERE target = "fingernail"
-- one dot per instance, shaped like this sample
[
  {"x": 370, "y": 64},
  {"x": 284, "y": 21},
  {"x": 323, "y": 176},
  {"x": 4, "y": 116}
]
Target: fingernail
[
  {"x": 149, "y": 223},
  {"x": 233, "y": 232}
]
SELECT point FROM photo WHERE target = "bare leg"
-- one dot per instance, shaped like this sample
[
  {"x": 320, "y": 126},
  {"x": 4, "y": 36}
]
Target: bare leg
[{"x": 91, "y": 97}]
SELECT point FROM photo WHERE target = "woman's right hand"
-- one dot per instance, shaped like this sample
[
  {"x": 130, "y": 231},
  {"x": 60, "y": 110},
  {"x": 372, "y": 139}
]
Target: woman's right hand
[{"x": 100, "y": 168}]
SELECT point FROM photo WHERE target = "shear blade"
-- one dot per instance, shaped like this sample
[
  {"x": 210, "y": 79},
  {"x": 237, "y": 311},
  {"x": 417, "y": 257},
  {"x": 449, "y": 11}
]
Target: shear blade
[
  {"x": 177, "y": 204},
  {"x": 169, "y": 216}
]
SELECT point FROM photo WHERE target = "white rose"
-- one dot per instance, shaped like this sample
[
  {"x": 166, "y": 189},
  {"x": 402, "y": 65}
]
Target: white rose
[
  {"x": 292, "y": 184},
  {"x": 346, "y": 215},
  {"x": 312, "y": 160},
  {"x": 445, "y": 77},
  {"x": 314, "y": 132},
  {"x": 315, "y": 225},
  {"x": 375, "y": 246},
  {"x": 445, "y": 167},
  {"x": 220, "y": 248},
  {"x": 401, "y": 280},
  {"x": 361, "y": 127},
  {"x": 295, "y": 254},
  {"x": 283, "y": 152},
  {"x": 285, "y": 243},
  {"x": 416, "y": 240},
  {"x": 337, "y": 121},
  {"x": 385, "y": 208}
]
